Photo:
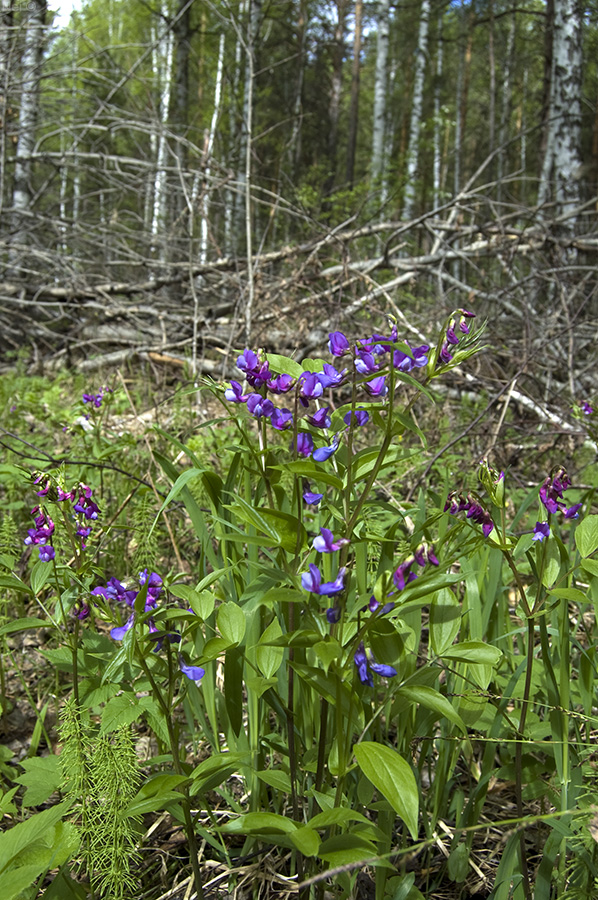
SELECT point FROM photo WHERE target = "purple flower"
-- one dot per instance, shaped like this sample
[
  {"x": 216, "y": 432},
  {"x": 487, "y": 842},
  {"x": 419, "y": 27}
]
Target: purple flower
[
  {"x": 333, "y": 614},
  {"x": 281, "y": 419},
  {"x": 325, "y": 453},
  {"x": 330, "y": 377},
  {"x": 404, "y": 575},
  {"x": 377, "y": 386},
  {"x": 541, "y": 531},
  {"x": 310, "y": 386},
  {"x": 119, "y": 632},
  {"x": 305, "y": 444},
  {"x": 194, "y": 673},
  {"x": 311, "y": 498},
  {"x": 235, "y": 393},
  {"x": 281, "y": 384},
  {"x": 85, "y": 505},
  {"x": 321, "y": 418},
  {"x": 312, "y": 581},
  {"x": 325, "y": 543},
  {"x": 432, "y": 558},
  {"x": 451, "y": 337},
  {"x": 373, "y": 605},
  {"x": 365, "y": 661},
  {"x": 259, "y": 406},
  {"x": 445, "y": 354},
  {"x": 46, "y": 552},
  {"x": 338, "y": 343},
  {"x": 572, "y": 512},
  {"x": 365, "y": 363},
  {"x": 586, "y": 408},
  {"x": 360, "y": 417},
  {"x": 257, "y": 371}
]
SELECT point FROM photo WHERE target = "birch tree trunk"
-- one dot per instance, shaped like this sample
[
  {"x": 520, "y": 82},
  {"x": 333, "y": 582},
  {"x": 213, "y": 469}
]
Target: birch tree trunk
[
  {"x": 437, "y": 118},
  {"x": 380, "y": 80},
  {"x": 336, "y": 84},
  {"x": 416, "y": 110},
  {"x": 31, "y": 69},
  {"x": 294, "y": 146},
  {"x": 5, "y": 86},
  {"x": 163, "y": 75},
  {"x": 503, "y": 131},
  {"x": 253, "y": 27},
  {"x": 354, "y": 110},
  {"x": 561, "y": 171}
]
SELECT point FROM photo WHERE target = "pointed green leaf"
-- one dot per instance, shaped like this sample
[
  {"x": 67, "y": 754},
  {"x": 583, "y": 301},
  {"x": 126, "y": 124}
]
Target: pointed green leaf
[{"x": 393, "y": 777}]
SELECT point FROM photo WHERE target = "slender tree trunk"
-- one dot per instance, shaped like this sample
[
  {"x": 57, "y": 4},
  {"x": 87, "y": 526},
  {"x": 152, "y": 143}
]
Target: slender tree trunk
[
  {"x": 253, "y": 28},
  {"x": 336, "y": 84},
  {"x": 505, "y": 112},
  {"x": 491, "y": 84},
  {"x": 437, "y": 117},
  {"x": 354, "y": 109},
  {"x": 380, "y": 81},
  {"x": 5, "y": 87},
  {"x": 562, "y": 161},
  {"x": 294, "y": 146},
  {"x": 416, "y": 110},
  {"x": 163, "y": 75},
  {"x": 31, "y": 69}
]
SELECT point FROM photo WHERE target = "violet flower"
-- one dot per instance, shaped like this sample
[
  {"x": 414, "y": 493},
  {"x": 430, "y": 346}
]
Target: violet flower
[
  {"x": 325, "y": 543},
  {"x": 194, "y": 673},
  {"x": 325, "y": 453},
  {"x": 281, "y": 419},
  {"x": 321, "y": 418},
  {"x": 376, "y": 387},
  {"x": 330, "y": 377},
  {"x": 234, "y": 394},
  {"x": 338, "y": 343},
  {"x": 305, "y": 444},
  {"x": 359, "y": 417},
  {"x": 312, "y": 498},
  {"x": 365, "y": 662},
  {"x": 259, "y": 406},
  {"x": 541, "y": 531},
  {"x": 312, "y": 581}
]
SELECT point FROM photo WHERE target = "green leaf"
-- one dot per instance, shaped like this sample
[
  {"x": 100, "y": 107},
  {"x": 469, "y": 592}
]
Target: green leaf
[
  {"x": 269, "y": 659},
  {"x": 12, "y": 583},
  {"x": 387, "y": 643},
  {"x": 282, "y": 365},
  {"x": 586, "y": 535},
  {"x": 306, "y": 840},
  {"x": 590, "y": 565},
  {"x": 23, "y": 625},
  {"x": 259, "y": 823},
  {"x": 276, "y": 779},
  {"x": 210, "y": 773},
  {"x": 476, "y": 652},
  {"x": 572, "y": 594},
  {"x": 121, "y": 710},
  {"x": 155, "y": 792},
  {"x": 40, "y": 575},
  {"x": 432, "y": 699},
  {"x": 445, "y": 620},
  {"x": 552, "y": 564},
  {"x": 338, "y": 815},
  {"x": 231, "y": 622},
  {"x": 42, "y": 777},
  {"x": 18, "y": 838},
  {"x": 346, "y": 849},
  {"x": 393, "y": 777}
]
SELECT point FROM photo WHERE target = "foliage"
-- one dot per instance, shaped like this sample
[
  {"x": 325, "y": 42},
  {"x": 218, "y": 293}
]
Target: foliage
[{"x": 368, "y": 668}]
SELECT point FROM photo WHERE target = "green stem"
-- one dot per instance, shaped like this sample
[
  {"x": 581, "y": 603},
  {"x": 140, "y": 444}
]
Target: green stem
[{"x": 176, "y": 761}]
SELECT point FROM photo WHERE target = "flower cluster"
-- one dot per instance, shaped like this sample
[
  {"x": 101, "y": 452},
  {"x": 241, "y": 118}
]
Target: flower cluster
[
  {"x": 364, "y": 660},
  {"x": 41, "y": 534},
  {"x": 460, "y": 324},
  {"x": 116, "y": 591},
  {"x": 551, "y": 496},
  {"x": 83, "y": 507},
  {"x": 96, "y": 399},
  {"x": 473, "y": 510},
  {"x": 368, "y": 358}
]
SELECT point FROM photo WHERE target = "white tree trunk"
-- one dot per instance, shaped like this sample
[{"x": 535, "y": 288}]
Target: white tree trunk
[
  {"x": 253, "y": 26},
  {"x": 437, "y": 119},
  {"x": 416, "y": 110},
  {"x": 31, "y": 68},
  {"x": 561, "y": 170},
  {"x": 163, "y": 73},
  {"x": 503, "y": 131},
  {"x": 379, "y": 120}
]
